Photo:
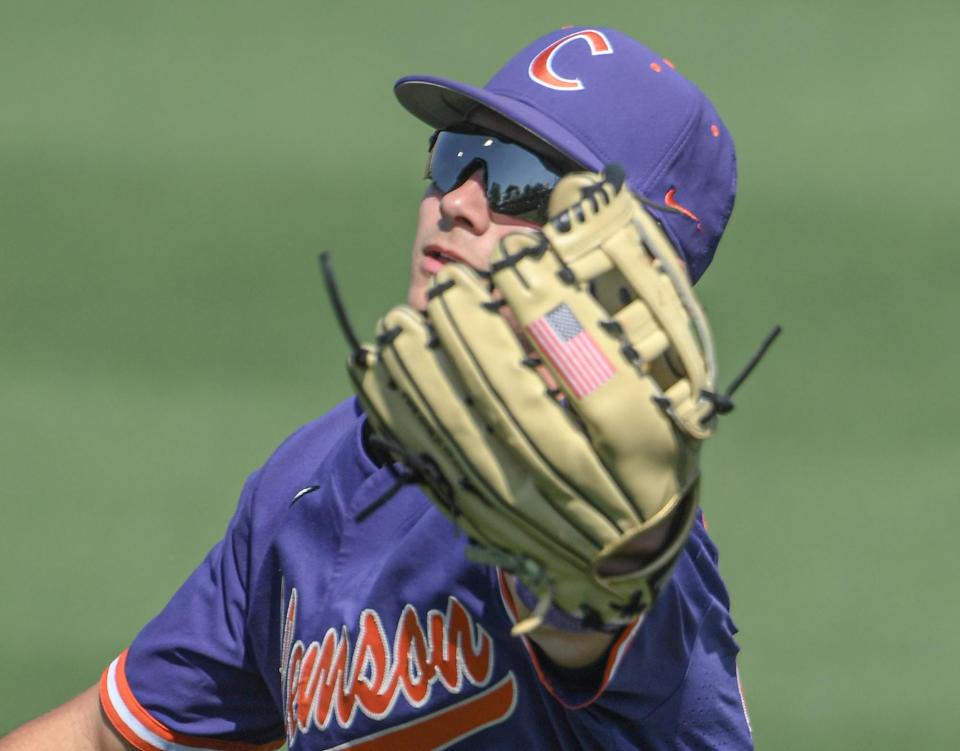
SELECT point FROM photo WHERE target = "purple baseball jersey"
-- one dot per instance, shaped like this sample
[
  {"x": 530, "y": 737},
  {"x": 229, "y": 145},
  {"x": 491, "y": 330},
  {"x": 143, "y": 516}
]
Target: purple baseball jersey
[{"x": 307, "y": 627}]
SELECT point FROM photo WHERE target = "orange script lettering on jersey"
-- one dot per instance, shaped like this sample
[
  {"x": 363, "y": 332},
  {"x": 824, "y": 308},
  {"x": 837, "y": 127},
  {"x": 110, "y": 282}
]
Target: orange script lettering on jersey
[{"x": 322, "y": 681}]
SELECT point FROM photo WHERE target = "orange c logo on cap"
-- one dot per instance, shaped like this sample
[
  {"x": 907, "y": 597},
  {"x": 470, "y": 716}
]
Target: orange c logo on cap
[{"x": 541, "y": 67}]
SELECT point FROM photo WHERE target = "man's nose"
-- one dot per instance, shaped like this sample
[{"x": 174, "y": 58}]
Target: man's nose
[{"x": 466, "y": 205}]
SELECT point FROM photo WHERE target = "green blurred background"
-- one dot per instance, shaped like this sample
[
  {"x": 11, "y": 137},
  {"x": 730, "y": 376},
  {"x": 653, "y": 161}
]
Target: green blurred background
[{"x": 169, "y": 171}]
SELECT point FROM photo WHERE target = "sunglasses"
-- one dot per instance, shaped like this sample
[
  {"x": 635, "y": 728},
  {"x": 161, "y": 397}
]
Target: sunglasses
[{"x": 517, "y": 181}]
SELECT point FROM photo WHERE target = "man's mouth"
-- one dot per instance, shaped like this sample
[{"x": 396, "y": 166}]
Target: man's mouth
[{"x": 436, "y": 257}]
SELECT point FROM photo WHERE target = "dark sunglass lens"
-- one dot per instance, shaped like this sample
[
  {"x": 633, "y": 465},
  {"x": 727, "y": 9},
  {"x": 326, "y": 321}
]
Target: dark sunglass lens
[
  {"x": 453, "y": 159},
  {"x": 517, "y": 181}
]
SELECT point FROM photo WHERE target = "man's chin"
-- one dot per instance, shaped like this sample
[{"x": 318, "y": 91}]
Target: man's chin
[{"x": 417, "y": 298}]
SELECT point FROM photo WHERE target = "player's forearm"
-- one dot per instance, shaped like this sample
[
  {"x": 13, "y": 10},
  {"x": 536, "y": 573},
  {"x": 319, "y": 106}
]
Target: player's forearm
[
  {"x": 77, "y": 725},
  {"x": 565, "y": 649},
  {"x": 575, "y": 650}
]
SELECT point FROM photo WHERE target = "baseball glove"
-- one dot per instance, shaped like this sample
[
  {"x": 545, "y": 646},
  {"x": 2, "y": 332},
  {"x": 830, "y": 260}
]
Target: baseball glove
[{"x": 552, "y": 475}]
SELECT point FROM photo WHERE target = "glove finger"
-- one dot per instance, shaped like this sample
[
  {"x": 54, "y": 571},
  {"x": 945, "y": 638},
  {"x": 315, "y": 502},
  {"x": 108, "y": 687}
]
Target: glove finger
[
  {"x": 484, "y": 478},
  {"x": 608, "y": 240},
  {"x": 392, "y": 416},
  {"x": 634, "y": 438},
  {"x": 685, "y": 344},
  {"x": 512, "y": 398}
]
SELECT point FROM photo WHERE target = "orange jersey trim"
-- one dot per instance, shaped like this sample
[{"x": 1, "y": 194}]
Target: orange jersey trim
[{"x": 169, "y": 740}]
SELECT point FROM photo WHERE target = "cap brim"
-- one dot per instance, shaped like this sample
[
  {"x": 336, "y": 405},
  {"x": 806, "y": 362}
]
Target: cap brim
[{"x": 442, "y": 103}]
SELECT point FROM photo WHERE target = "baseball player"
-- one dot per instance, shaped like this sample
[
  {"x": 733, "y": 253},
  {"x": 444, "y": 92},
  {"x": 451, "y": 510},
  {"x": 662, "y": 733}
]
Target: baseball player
[{"x": 341, "y": 609}]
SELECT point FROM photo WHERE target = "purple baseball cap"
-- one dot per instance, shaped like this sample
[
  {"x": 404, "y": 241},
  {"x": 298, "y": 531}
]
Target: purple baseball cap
[{"x": 594, "y": 96}]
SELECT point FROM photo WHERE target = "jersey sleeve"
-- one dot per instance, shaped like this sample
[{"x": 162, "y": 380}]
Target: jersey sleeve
[
  {"x": 190, "y": 680},
  {"x": 709, "y": 706}
]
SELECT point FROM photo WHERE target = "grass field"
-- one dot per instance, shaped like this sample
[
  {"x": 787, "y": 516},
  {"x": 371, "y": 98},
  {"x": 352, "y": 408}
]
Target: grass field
[{"x": 168, "y": 173}]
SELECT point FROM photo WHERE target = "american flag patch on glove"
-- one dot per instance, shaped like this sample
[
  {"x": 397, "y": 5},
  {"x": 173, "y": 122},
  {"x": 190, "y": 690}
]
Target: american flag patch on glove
[{"x": 571, "y": 350}]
